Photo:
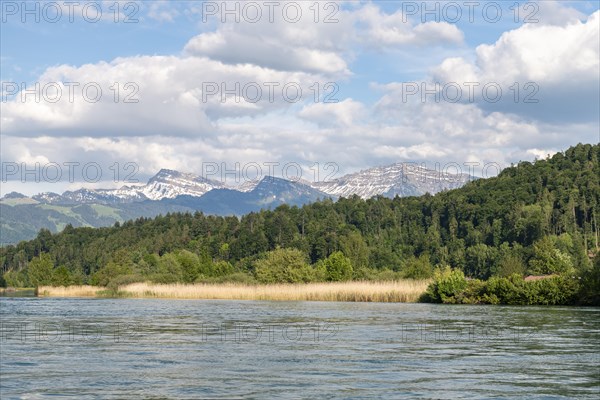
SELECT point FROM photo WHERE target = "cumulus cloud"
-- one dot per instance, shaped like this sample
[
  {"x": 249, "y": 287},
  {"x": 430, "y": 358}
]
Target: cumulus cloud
[
  {"x": 557, "y": 65},
  {"x": 550, "y": 12},
  {"x": 318, "y": 47},
  {"x": 459, "y": 132},
  {"x": 383, "y": 30},
  {"x": 544, "y": 53},
  {"x": 277, "y": 43},
  {"x": 344, "y": 113},
  {"x": 267, "y": 53},
  {"x": 174, "y": 96}
]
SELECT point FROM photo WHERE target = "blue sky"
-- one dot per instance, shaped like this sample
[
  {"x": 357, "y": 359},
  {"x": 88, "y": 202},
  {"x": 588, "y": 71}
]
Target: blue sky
[{"x": 371, "y": 53}]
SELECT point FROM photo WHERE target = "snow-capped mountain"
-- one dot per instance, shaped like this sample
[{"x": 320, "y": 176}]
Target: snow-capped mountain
[
  {"x": 48, "y": 197},
  {"x": 166, "y": 184},
  {"x": 103, "y": 196},
  {"x": 279, "y": 191},
  {"x": 247, "y": 186},
  {"x": 269, "y": 192},
  {"x": 170, "y": 184},
  {"x": 402, "y": 179}
]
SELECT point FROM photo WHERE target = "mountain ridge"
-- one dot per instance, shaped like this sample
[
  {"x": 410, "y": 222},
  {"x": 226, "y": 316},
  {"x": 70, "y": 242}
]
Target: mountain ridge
[
  {"x": 403, "y": 179},
  {"x": 22, "y": 217}
]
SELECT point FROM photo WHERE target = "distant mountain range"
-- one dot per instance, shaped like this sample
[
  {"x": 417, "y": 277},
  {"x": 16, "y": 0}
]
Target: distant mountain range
[
  {"x": 166, "y": 184},
  {"x": 21, "y": 217}
]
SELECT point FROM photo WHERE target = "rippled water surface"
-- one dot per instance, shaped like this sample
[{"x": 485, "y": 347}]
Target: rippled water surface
[{"x": 98, "y": 348}]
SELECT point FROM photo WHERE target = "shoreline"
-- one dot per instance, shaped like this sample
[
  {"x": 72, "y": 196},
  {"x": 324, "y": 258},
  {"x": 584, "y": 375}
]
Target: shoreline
[
  {"x": 17, "y": 292},
  {"x": 405, "y": 291}
]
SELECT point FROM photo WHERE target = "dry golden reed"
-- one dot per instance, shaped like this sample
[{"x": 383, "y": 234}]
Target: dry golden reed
[
  {"x": 403, "y": 291},
  {"x": 69, "y": 291}
]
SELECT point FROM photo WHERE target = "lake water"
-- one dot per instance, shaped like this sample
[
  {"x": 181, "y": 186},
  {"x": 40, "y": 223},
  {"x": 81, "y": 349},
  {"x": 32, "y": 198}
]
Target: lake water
[{"x": 103, "y": 348}]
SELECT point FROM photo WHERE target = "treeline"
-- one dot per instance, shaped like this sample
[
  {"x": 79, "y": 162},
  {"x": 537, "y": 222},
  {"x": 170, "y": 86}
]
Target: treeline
[{"x": 534, "y": 218}]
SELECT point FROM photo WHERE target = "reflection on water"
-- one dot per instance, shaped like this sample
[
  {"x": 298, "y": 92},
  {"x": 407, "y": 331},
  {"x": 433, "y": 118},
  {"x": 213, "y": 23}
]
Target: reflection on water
[
  {"x": 194, "y": 349},
  {"x": 10, "y": 292}
]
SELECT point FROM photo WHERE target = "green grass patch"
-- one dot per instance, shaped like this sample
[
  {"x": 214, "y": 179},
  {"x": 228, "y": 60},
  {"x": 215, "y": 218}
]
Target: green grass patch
[
  {"x": 106, "y": 211},
  {"x": 18, "y": 202}
]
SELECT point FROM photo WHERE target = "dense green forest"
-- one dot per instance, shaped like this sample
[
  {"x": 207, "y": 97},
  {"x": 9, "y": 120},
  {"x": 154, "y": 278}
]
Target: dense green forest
[{"x": 533, "y": 218}]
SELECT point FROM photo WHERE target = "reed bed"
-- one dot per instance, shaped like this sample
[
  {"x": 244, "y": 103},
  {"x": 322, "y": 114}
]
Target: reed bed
[
  {"x": 404, "y": 291},
  {"x": 70, "y": 291}
]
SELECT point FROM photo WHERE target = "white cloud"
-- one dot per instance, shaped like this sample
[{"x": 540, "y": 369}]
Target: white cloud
[
  {"x": 162, "y": 11},
  {"x": 550, "y": 12},
  {"x": 382, "y": 30},
  {"x": 171, "y": 98},
  {"x": 344, "y": 113},
  {"x": 318, "y": 47},
  {"x": 237, "y": 47},
  {"x": 541, "y": 154},
  {"x": 279, "y": 44},
  {"x": 562, "y": 61},
  {"x": 544, "y": 53}
]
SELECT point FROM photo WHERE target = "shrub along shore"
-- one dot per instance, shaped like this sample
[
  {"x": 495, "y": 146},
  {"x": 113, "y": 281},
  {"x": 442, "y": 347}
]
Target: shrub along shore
[{"x": 452, "y": 287}]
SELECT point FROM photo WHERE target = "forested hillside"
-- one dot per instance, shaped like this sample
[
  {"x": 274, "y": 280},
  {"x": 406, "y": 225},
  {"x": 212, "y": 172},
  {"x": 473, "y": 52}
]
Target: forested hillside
[{"x": 534, "y": 218}]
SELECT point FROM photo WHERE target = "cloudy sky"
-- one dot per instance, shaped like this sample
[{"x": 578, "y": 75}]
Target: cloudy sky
[{"x": 181, "y": 85}]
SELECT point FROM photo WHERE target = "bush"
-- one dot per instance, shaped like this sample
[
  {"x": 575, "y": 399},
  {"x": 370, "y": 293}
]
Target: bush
[
  {"x": 169, "y": 270},
  {"x": 236, "y": 277},
  {"x": 17, "y": 279},
  {"x": 474, "y": 293},
  {"x": 386, "y": 275},
  {"x": 40, "y": 269},
  {"x": 447, "y": 283},
  {"x": 363, "y": 274},
  {"x": 372, "y": 274},
  {"x": 284, "y": 265},
  {"x": 507, "y": 290},
  {"x": 548, "y": 259},
  {"x": 417, "y": 268},
  {"x": 223, "y": 268},
  {"x": 450, "y": 286},
  {"x": 509, "y": 265},
  {"x": 110, "y": 271},
  {"x": 124, "y": 280},
  {"x": 61, "y": 276},
  {"x": 190, "y": 265},
  {"x": 589, "y": 293},
  {"x": 557, "y": 290},
  {"x": 338, "y": 267},
  {"x": 513, "y": 290}
]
